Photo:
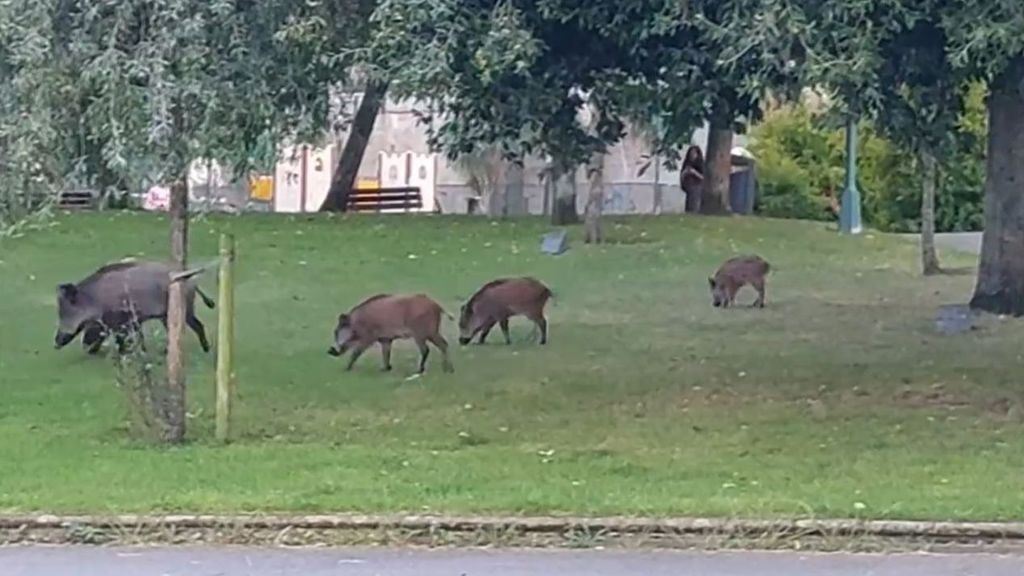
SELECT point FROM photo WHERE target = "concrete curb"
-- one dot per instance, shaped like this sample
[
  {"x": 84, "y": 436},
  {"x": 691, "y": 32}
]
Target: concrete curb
[{"x": 618, "y": 526}]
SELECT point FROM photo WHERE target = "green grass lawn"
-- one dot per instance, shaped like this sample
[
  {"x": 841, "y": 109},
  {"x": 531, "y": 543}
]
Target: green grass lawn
[{"x": 838, "y": 399}]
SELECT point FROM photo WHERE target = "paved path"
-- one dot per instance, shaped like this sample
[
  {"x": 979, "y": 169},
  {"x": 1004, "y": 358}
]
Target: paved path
[
  {"x": 969, "y": 242},
  {"x": 82, "y": 561}
]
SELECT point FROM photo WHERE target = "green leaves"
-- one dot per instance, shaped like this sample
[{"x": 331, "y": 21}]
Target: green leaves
[
  {"x": 31, "y": 107},
  {"x": 508, "y": 48},
  {"x": 124, "y": 93}
]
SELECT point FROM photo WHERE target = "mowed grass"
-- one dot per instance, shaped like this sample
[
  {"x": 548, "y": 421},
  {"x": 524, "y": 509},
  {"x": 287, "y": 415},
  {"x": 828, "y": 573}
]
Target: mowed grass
[{"x": 838, "y": 399}]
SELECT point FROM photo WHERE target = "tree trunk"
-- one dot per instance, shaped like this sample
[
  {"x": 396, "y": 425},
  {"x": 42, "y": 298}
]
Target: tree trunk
[
  {"x": 595, "y": 200},
  {"x": 551, "y": 177},
  {"x": 564, "y": 212},
  {"x": 657, "y": 200},
  {"x": 1000, "y": 285},
  {"x": 514, "y": 181},
  {"x": 718, "y": 167},
  {"x": 174, "y": 427},
  {"x": 929, "y": 257},
  {"x": 355, "y": 147},
  {"x": 497, "y": 203}
]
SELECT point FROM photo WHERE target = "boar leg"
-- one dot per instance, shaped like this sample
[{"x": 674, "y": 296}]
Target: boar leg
[
  {"x": 542, "y": 325},
  {"x": 385, "y": 352},
  {"x": 730, "y": 294},
  {"x": 357, "y": 351},
  {"x": 424, "y": 353},
  {"x": 131, "y": 329},
  {"x": 199, "y": 329},
  {"x": 759, "y": 286},
  {"x": 442, "y": 345},
  {"x": 504, "y": 330},
  {"x": 485, "y": 331},
  {"x": 92, "y": 339}
]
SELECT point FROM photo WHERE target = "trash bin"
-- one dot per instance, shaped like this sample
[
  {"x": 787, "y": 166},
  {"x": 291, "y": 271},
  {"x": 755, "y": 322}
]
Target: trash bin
[
  {"x": 742, "y": 181},
  {"x": 742, "y": 190}
]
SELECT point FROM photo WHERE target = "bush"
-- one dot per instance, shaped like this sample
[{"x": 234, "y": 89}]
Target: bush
[
  {"x": 786, "y": 192},
  {"x": 801, "y": 171}
]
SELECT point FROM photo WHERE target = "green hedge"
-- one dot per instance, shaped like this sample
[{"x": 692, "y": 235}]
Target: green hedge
[{"x": 800, "y": 172}]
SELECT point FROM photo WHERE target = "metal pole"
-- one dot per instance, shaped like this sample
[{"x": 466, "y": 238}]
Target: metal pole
[
  {"x": 849, "y": 210},
  {"x": 225, "y": 337}
]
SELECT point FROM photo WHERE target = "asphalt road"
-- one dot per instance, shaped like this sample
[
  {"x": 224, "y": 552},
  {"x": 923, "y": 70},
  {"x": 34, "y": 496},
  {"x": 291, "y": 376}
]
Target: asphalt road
[
  {"x": 969, "y": 242},
  {"x": 83, "y": 561}
]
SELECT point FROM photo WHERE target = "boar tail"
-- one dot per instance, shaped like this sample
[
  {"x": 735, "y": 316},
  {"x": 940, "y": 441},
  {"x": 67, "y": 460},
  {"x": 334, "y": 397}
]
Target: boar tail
[{"x": 206, "y": 299}]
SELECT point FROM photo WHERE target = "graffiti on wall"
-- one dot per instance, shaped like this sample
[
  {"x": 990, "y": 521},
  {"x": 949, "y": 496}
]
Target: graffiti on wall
[{"x": 618, "y": 200}]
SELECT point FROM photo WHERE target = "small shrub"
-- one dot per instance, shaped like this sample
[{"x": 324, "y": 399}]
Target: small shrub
[
  {"x": 785, "y": 192},
  {"x": 142, "y": 377}
]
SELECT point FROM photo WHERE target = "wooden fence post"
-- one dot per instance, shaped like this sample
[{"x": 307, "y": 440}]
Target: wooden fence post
[{"x": 225, "y": 337}]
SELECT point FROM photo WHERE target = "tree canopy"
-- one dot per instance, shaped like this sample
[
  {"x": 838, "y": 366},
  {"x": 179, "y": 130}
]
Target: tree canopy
[{"x": 910, "y": 62}]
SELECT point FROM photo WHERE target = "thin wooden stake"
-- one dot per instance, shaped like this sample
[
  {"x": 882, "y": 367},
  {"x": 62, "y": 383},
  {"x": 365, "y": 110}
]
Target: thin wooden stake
[{"x": 226, "y": 337}]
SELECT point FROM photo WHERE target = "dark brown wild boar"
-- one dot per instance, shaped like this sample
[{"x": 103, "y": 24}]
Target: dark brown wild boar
[
  {"x": 385, "y": 318},
  {"x": 734, "y": 274},
  {"x": 497, "y": 301},
  {"x": 117, "y": 298}
]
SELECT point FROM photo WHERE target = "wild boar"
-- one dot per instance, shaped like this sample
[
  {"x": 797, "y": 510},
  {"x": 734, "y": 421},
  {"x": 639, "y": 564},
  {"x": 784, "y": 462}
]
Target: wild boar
[
  {"x": 497, "y": 301},
  {"x": 384, "y": 318},
  {"x": 735, "y": 273},
  {"x": 117, "y": 298}
]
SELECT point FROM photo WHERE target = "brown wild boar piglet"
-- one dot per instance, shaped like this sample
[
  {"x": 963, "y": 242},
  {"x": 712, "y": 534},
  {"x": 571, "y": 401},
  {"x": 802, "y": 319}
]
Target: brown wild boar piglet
[
  {"x": 386, "y": 317},
  {"x": 736, "y": 273},
  {"x": 497, "y": 301}
]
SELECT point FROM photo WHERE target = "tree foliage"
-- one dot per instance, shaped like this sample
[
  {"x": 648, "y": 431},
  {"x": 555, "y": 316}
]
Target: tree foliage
[
  {"x": 33, "y": 106},
  {"x": 126, "y": 93},
  {"x": 935, "y": 47},
  {"x": 515, "y": 75}
]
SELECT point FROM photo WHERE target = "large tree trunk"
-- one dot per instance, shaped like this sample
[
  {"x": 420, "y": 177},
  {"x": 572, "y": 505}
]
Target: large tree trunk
[
  {"x": 1000, "y": 285},
  {"x": 503, "y": 185},
  {"x": 514, "y": 182},
  {"x": 174, "y": 426},
  {"x": 355, "y": 147},
  {"x": 929, "y": 257},
  {"x": 593, "y": 234},
  {"x": 719, "y": 165},
  {"x": 550, "y": 179},
  {"x": 563, "y": 211}
]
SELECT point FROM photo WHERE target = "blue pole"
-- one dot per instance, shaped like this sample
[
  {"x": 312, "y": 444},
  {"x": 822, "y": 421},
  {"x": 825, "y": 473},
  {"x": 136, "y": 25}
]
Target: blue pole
[{"x": 849, "y": 210}]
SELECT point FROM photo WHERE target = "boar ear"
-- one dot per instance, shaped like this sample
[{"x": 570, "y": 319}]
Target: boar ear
[
  {"x": 69, "y": 291},
  {"x": 711, "y": 281},
  {"x": 343, "y": 318}
]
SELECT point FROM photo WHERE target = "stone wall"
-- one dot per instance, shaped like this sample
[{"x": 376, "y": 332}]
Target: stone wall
[{"x": 397, "y": 130}]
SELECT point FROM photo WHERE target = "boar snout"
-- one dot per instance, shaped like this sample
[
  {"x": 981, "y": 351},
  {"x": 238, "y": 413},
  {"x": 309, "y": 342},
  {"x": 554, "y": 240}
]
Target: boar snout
[
  {"x": 337, "y": 350},
  {"x": 464, "y": 340},
  {"x": 62, "y": 339}
]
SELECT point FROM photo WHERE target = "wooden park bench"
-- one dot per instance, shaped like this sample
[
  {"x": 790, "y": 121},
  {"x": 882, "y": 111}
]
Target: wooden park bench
[
  {"x": 77, "y": 200},
  {"x": 396, "y": 199}
]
